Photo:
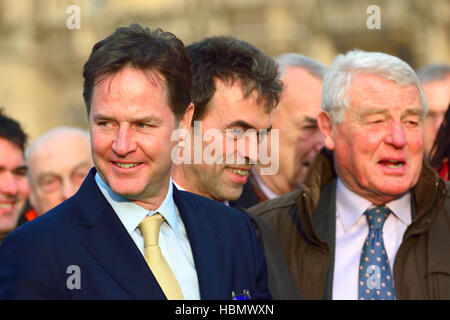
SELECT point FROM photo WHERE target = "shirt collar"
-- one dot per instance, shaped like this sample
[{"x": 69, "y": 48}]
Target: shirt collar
[
  {"x": 131, "y": 214},
  {"x": 350, "y": 206},
  {"x": 263, "y": 186}
]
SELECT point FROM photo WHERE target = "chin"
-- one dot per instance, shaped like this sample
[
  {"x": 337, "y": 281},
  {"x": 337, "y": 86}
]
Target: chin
[{"x": 126, "y": 190}]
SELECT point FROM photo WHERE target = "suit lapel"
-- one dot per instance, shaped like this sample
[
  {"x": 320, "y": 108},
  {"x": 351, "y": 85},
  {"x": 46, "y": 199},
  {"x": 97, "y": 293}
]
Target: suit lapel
[
  {"x": 111, "y": 245},
  {"x": 202, "y": 241}
]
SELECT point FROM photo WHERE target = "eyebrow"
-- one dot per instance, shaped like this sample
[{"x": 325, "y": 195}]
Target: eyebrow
[
  {"x": 370, "y": 111},
  {"x": 414, "y": 111},
  {"x": 309, "y": 120},
  {"x": 101, "y": 116},
  {"x": 409, "y": 111},
  {"x": 245, "y": 125},
  {"x": 19, "y": 168}
]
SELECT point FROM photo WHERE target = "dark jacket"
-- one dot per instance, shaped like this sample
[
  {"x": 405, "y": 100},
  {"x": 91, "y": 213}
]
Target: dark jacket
[
  {"x": 305, "y": 221},
  {"x": 41, "y": 258},
  {"x": 282, "y": 285},
  {"x": 251, "y": 193}
]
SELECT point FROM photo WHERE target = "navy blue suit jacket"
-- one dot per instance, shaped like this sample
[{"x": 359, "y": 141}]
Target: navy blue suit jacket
[{"x": 85, "y": 232}]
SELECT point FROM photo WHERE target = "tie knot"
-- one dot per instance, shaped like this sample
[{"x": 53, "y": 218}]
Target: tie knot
[
  {"x": 150, "y": 226},
  {"x": 376, "y": 216}
]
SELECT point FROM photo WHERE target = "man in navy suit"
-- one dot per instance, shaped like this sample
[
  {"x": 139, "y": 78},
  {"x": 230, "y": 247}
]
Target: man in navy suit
[{"x": 137, "y": 86}]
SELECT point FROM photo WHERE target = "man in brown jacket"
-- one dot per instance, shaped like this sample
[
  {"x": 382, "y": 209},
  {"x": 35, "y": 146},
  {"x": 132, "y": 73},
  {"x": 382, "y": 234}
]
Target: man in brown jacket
[{"x": 372, "y": 220}]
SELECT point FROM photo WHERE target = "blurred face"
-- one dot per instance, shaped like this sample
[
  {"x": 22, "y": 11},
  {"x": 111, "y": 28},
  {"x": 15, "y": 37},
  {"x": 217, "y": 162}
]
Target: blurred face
[
  {"x": 238, "y": 120},
  {"x": 131, "y": 125},
  {"x": 378, "y": 149},
  {"x": 57, "y": 167},
  {"x": 14, "y": 187},
  {"x": 296, "y": 119},
  {"x": 438, "y": 98}
]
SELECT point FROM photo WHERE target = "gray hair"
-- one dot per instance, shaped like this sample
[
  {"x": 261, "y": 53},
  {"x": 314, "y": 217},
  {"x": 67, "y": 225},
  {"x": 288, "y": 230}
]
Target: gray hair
[
  {"x": 53, "y": 132},
  {"x": 339, "y": 77},
  {"x": 432, "y": 72},
  {"x": 314, "y": 67}
]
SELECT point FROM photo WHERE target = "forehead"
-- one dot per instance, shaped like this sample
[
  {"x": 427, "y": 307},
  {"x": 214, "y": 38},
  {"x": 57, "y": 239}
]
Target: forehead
[
  {"x": 370, "y": 90},
  {"x": 60, "y": 152},
  {"x": 302, "y": 93},
  {"x": 438, "y": 94},
  {"x": 11, "y": 155},
  {"x": 132, "y": 87},
  {"x": 229, "y": 104}
]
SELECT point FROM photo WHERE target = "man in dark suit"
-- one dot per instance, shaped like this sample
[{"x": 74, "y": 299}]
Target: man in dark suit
[
  {"x": 128, "y": 233},
  {"x": 235, "y": 89}
]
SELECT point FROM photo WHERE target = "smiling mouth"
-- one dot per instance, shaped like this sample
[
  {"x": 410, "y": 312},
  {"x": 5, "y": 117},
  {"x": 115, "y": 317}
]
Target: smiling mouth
[
  {"x": 126, "y": 165},
  {"x": 6, "y": 205},
  {"x": 239, "y": 172}
]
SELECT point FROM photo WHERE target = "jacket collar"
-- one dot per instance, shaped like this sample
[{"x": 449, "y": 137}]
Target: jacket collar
[{"x": 428, "y": 194}]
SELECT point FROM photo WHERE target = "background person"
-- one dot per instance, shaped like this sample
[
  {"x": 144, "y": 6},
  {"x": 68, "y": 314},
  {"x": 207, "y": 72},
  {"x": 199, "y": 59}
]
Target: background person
[
  {"x": 235, "y": 89},
  {"x": 58, "y": 162},
  {"x": 441, "y": 147},
  {"x": 435, "y": 80},
  {"x": 299, "y": 137},
  {"x": 14, "y": 188}
]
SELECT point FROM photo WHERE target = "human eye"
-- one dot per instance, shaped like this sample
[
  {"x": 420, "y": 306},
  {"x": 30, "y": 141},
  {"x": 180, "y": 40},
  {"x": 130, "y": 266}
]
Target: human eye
[
  {"x": 104, "y": 123},
  {"x": 374, "y": 119},
  {"x": 21, "y": 171},
  {"x": 49, "y": 183},
  {"x": 143, "y": 125},
  {"x": 412, "y": 121},
  {"x": 234, "y": 133}
]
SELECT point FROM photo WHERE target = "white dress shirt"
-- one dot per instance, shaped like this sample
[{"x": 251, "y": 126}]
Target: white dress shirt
[
  {"x": 173, "y": 240},
  {"x": 263, "y": 186},
  {"x": 351, "y": 231}
]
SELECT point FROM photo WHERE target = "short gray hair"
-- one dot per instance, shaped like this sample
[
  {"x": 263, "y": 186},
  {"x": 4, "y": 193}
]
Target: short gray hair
[
  {"x": 292, "y": 59},
  {"x": 338, "y": 79},
  {"x": 432, "y": 72}
]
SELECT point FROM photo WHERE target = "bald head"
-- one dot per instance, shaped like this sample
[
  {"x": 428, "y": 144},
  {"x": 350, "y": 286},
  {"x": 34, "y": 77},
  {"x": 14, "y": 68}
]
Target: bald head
[{"x": 58, "y": 162}]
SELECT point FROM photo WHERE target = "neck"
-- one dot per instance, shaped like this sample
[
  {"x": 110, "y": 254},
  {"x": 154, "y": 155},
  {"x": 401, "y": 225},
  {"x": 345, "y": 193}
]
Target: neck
[
  {"x": 188, "y": 180},
  {"x": 274, "y": 182}
]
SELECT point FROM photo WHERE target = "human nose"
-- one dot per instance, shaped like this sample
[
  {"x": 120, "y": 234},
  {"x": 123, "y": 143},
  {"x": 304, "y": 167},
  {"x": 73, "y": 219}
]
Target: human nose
[
  {"x": 123, "y": 141},
  {"x": 9, "y": 184},
  {"x": 317, "y": 140},
  {"x": 250, "y": 148},
  {"x": 396, "y": 135},
  {"x": 68, "y": 189}
]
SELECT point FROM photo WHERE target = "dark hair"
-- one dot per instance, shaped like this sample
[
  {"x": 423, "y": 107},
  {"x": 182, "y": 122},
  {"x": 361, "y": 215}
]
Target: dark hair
[
  {"x": 147, "y": 50},
  {"x": 229, "y": 59},
  {"x": 11, "y": 130},
  {"x": 441, "y": 145}
]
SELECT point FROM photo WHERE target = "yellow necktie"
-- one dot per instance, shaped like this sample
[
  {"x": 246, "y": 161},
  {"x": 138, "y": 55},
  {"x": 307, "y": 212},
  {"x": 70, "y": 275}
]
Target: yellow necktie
[{"x": 158, "y": 265}]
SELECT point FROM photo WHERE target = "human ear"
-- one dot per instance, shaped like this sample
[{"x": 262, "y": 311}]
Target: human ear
[{"x": 325, "y": 124}]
